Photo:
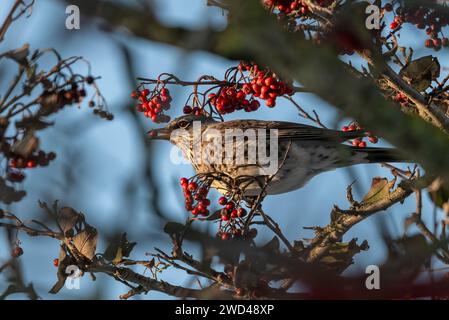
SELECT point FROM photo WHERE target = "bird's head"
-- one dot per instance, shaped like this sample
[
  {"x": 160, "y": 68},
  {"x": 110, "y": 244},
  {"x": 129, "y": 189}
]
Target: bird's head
[{"x": 183, "y": 122}]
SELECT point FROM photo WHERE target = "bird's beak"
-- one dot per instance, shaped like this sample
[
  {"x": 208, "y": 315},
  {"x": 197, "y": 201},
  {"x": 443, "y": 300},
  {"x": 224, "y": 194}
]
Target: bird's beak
[{"x": 159, "y": 134}]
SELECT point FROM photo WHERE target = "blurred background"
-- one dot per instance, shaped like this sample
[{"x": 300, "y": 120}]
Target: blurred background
[{"x": 124, "y": 183}]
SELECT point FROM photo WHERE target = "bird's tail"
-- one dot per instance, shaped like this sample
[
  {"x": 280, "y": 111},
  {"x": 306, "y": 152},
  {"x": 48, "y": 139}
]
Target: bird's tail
[{"x": 376, "y": 155}]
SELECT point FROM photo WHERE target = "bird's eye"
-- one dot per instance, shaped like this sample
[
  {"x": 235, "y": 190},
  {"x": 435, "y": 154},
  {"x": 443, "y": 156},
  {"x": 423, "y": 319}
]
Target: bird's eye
[{"x": 183, "y": 124}]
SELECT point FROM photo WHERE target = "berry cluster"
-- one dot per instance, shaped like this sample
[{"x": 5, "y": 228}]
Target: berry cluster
[
  {"x": 424, "y": 18},
  {"x": 103, "y": 114},
  {"x": 230, "y": 214},
  {"x": 264, "y": 84},
  {"x": 32, "y": 161},
  {"x": 231, "y": 220},
  {"x": 75, "y": 94},
  {"x": 287, "y": 6},
  {"x": 231, "y": 99},
  {"x": 294, "y": 6},
  {"x": 153, "y": 103},
  {"x": 359, "y": 142},
  {"x": 401, "y": 99},
  {"x": 195, "y": 196},
  {"x": 195, "y": 110}
]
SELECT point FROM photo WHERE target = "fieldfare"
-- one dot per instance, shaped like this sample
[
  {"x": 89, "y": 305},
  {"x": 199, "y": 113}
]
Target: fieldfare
[{"x": 302, "y": 151}]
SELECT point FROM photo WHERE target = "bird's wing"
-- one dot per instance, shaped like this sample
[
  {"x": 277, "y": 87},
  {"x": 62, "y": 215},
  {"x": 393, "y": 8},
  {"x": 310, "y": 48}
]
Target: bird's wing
[{"x": 292, "y": 131}]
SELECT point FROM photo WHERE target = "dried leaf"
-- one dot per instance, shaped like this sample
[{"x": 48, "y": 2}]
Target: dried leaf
[
  {"x": 26, "y": 146},
  {"x": 380, "y": 188},
  {"x": 67, "y": 218},
  {"x": 421, "y": 72},
  {"x": 8, "y": 194},
  {"x": 244, "y": 277},
  {"x": 86, "y": 241},
  {"x": 20, "y": 55},
  {"x": 64, "y": 262},
  {"x": 118, "y": 249},
  {"x": 50, "y": 102},
  {"x": 340, "y": 255},
  {"x": 34, "y": 123}
]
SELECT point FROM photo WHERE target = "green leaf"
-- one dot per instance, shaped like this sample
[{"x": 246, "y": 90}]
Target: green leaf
[
  {"x": 31, "y": 72},
  {"x": 380, "y": 188}
]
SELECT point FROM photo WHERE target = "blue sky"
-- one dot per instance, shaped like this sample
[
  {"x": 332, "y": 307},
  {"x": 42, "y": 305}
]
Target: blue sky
[{"x": 111, "y": 151}]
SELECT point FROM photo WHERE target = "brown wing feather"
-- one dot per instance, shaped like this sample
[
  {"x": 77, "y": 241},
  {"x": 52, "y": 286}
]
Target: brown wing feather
[{"x": 292, "y": 131}]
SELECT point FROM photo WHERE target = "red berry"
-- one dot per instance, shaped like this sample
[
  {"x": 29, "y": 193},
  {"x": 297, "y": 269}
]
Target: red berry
[
  {"x": 240, "y": 292},
  {"x": 271, "y": 102},
  {"x": 437, "y": 42},
  {"x": 222, "y": 201},
  {"x": 254, "y": 105},
  {"x": 241, "y": 212},
  {"x": 165, "y": 92},
  {"x": 394, "y": 25},
  {"x": 225, "y": 217},
  {"x": 373, "y": 139},
  {"x": 362, "y": 144},
  {"x": 56, "y": 262},
  {"x": 234, "y": 214},
  {"x": 240, "y": 95},
  {"x": 225, "y": 236},
  {"x": 187, "y": 110},
  {"x": 247, "y": 88},
  {"x": 31, "y": 164},
  {"x": 264, "y": 90},
  {"x": 144, "y": 92},
  {"x": 205, "y": 202},
  {"x": 16, "y": 252},
  {"x": 192, "y": 186},
  {"x": 183, "y": 181},
  {"x": 135, "y": 94},
  {"x": 269, "y": 81},
  {"x": 229, "y": 206},
  {"x": 15, "y": 176}
]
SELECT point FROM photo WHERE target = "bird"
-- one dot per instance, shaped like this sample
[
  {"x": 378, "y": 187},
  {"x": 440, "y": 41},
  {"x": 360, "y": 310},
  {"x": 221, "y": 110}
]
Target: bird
[{"x": 303, "y": 152}]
